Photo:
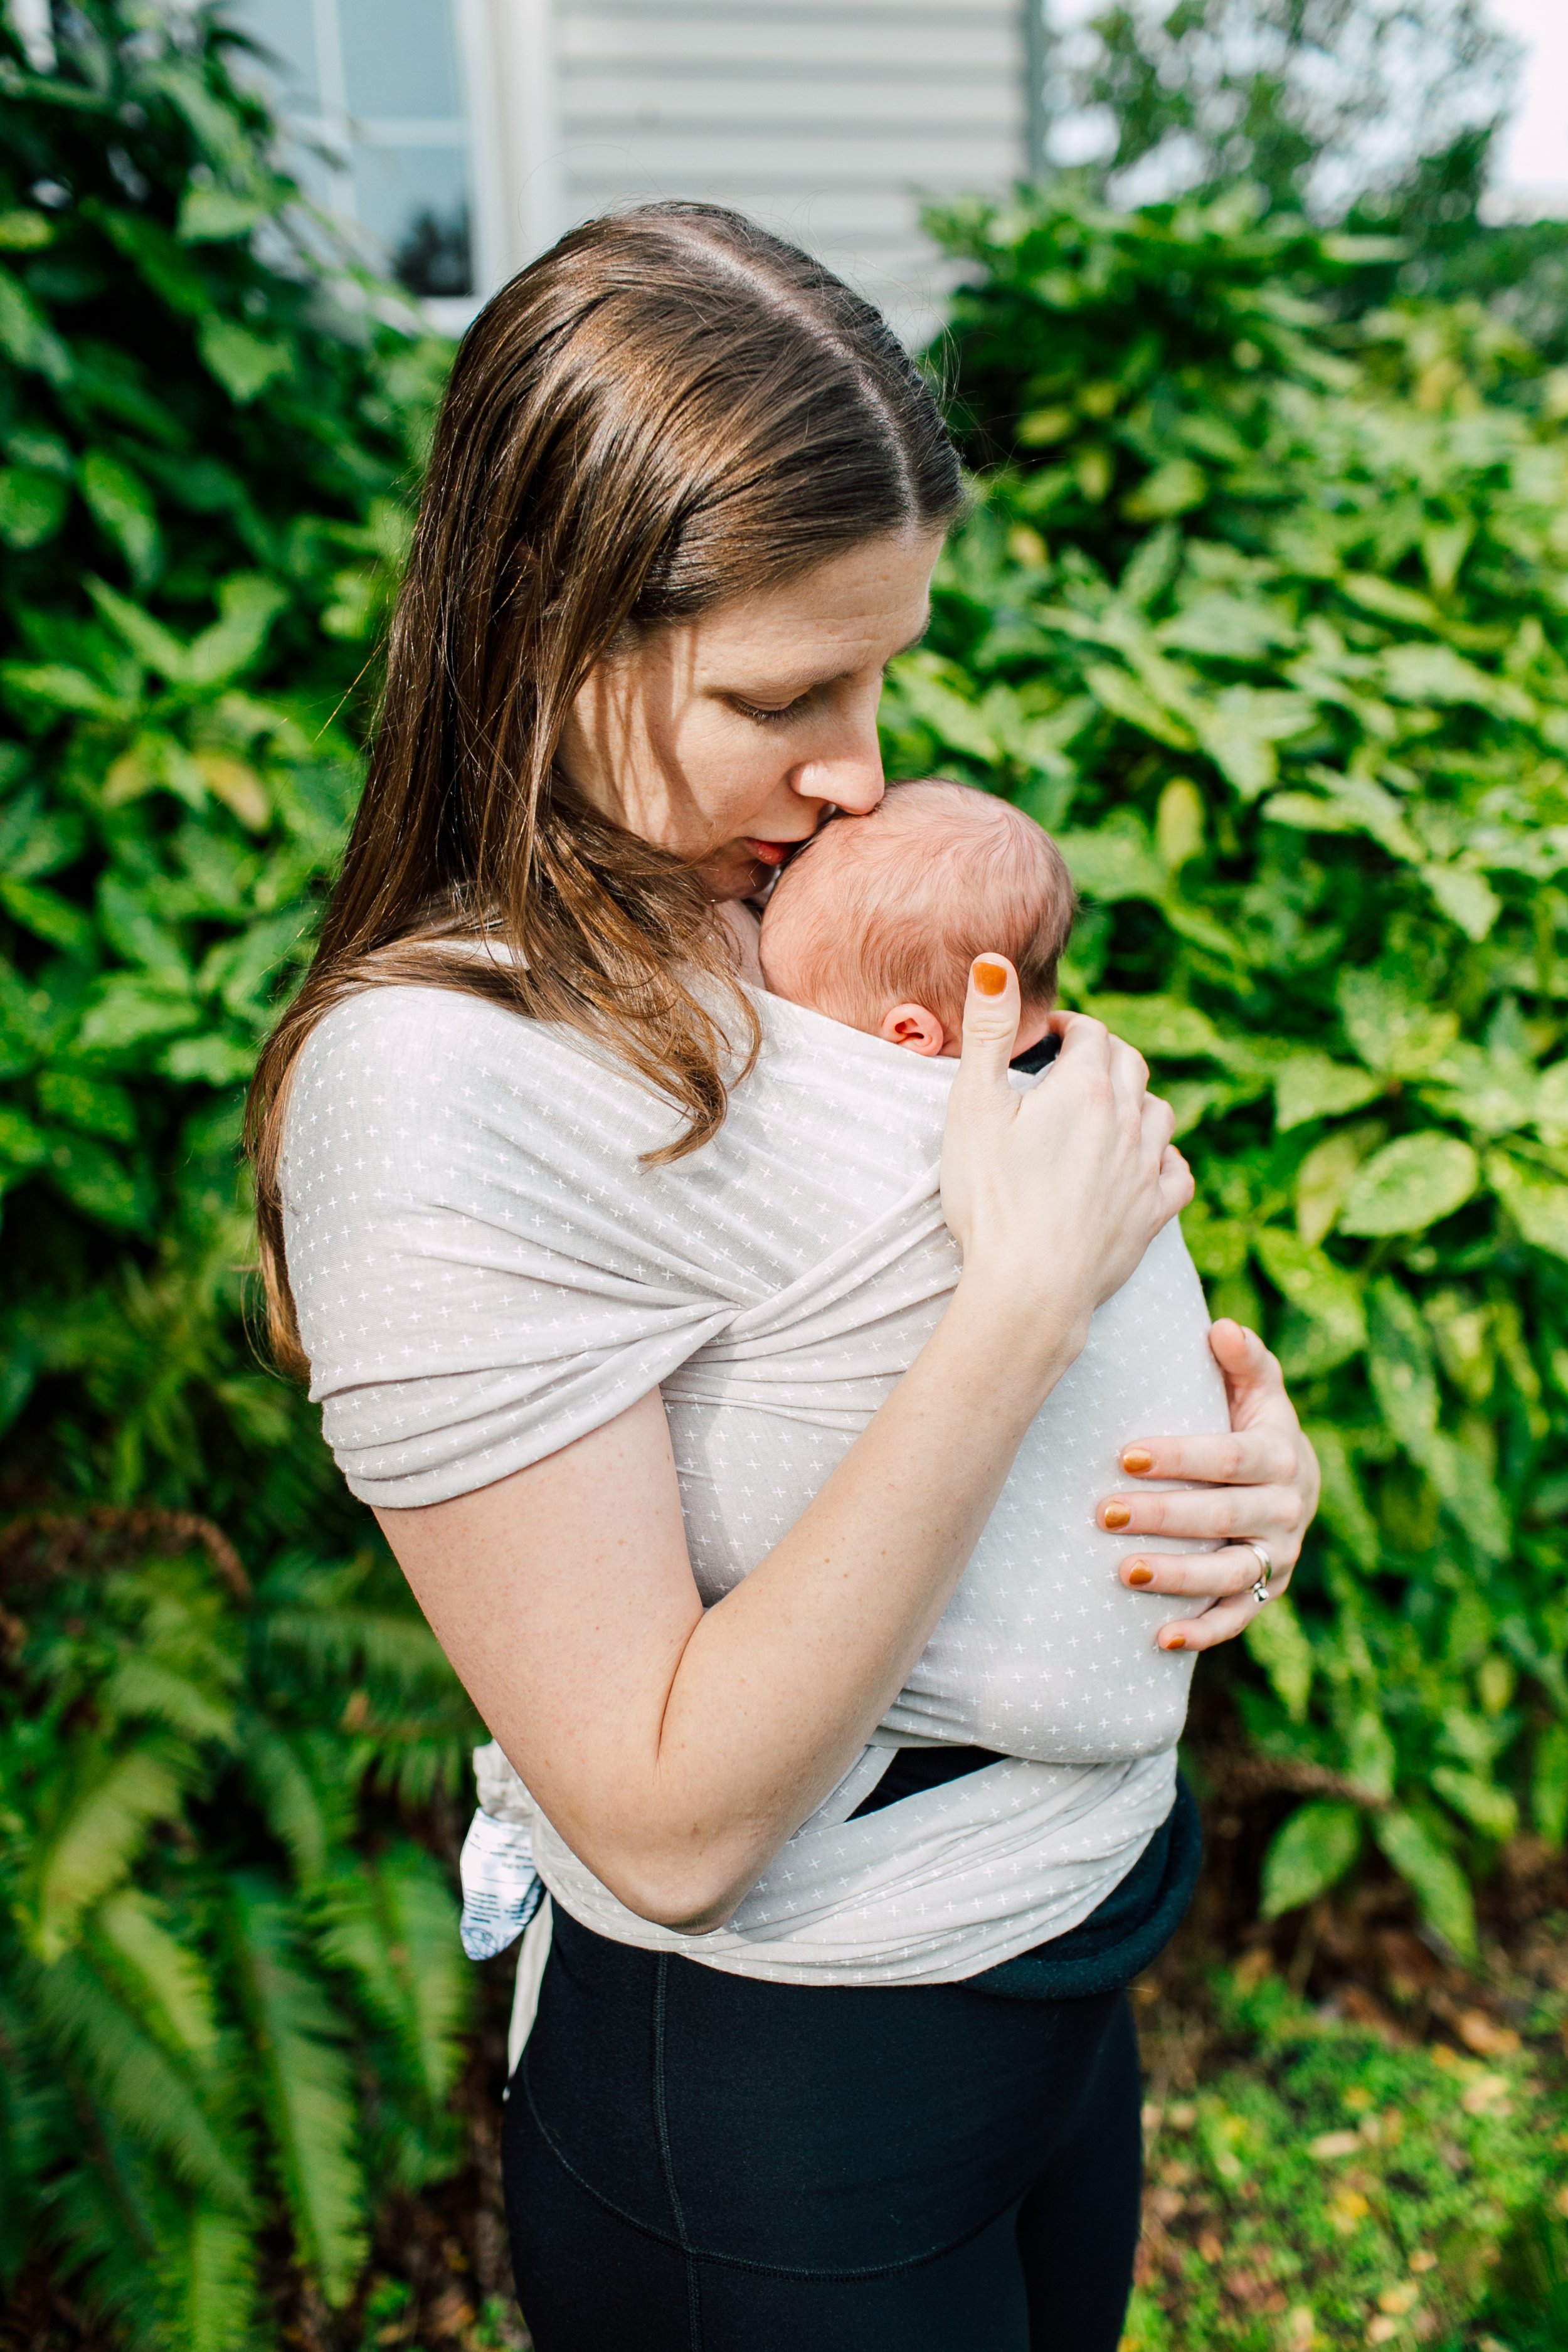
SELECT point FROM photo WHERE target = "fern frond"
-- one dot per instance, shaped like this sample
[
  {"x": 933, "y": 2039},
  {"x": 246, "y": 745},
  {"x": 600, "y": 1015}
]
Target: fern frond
[
  {"x": 307, "y": 1806},
  {"x": 34, "y": 2117},
  {"x": 169, "y": 1981},
  {"x": 311, "y": 2110},
  {"x": 140, "y": 2090},
  {"x": 106, "y": 2219},
  {"x": 395, "y": 1925},
  {"x": 102, "y": 1833},
  {"x": 210, "y": 2289},
  {"x": 149, "y": 1689}
]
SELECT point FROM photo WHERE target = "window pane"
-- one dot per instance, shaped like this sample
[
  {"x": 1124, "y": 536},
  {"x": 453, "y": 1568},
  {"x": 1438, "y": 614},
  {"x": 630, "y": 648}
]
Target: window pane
[
  {"x": 287, "y": 29},
  {"x": 415, "y": 202},
  {"x": 399, "y": 58}
]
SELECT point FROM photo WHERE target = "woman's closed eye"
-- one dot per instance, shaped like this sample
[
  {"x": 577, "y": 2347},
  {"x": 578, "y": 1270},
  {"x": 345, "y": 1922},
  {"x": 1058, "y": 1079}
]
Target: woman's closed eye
[{"x": 763, "y": 715}]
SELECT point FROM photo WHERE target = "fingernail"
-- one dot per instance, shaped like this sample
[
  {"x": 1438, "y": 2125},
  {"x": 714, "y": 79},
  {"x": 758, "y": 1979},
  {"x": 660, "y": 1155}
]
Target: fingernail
[
  {"x": 1140, "y": 1573},
  {"x": 1177, "y": 1642},
  {"x": 990, "y": 978},
  {"x": 1115, "y": 1515},
  {"x": 1137, "y": 1459}
]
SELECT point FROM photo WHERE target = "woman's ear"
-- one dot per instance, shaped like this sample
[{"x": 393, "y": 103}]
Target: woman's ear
[{"x": 915, "y": 1026}]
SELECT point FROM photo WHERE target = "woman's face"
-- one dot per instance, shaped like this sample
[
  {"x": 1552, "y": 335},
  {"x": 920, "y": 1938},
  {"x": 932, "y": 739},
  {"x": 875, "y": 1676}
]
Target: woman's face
[{"x": 728, "y": 739}]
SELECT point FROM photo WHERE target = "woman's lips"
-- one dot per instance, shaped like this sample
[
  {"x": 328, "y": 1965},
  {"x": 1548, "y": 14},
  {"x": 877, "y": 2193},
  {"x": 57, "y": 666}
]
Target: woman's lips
[{"x": 770, "y": 852}]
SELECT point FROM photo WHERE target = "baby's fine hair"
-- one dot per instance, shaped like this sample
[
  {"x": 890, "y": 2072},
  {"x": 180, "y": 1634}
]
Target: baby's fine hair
[{"x": 893, "y": 908}]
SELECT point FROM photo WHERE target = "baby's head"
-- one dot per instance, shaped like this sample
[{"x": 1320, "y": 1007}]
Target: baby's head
[{"x": 877, "y": 920}]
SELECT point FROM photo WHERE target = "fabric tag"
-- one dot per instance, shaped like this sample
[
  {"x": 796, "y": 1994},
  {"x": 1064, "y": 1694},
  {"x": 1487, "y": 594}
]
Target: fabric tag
[{"x": 501, "y": 1889}]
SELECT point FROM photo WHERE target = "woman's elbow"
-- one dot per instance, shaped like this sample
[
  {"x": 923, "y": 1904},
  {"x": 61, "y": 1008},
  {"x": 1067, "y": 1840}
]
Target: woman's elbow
[{"x": 692, "y": 1894}]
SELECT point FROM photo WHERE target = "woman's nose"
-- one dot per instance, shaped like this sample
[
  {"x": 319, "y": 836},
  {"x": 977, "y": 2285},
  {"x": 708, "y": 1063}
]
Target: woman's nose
[{"x": 850, "y": 777}]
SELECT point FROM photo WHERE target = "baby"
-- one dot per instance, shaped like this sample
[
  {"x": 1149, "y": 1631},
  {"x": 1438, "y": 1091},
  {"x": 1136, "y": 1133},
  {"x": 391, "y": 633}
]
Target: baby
[
  {"x": 877, "y": 920},
  {"x": 875, "y": 925}
]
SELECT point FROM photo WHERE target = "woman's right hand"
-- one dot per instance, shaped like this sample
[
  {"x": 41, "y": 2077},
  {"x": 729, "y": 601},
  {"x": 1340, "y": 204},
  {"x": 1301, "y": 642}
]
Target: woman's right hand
[{"x": 1054, "y": 1195}]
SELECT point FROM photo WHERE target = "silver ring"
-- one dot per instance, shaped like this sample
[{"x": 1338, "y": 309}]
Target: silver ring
[{"x": 1260, "y": 1590}]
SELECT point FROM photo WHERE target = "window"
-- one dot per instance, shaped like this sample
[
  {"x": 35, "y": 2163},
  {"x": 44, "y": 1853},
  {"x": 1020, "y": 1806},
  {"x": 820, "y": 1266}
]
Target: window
[{"x": 373, "y": 91}]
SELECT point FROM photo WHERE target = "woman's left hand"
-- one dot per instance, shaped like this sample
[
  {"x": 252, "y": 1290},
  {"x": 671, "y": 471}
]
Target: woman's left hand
[{"x": 1262, "y": 1488}]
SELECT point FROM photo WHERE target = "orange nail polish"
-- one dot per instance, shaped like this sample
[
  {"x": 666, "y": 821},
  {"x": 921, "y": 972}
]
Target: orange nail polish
[
  {"x": 1140, "y": 1573},
  {"x": 990, "y": 978},
  {"x": 1115, "y": 1515},
  {"x": 1177, "y": 1642},
  {"x": 1137, "y": 1459}
]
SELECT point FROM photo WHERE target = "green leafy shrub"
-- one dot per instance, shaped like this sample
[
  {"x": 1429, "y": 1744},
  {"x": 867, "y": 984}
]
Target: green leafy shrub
[
  {"x": 1269, "y": 624},
  {"x": 232, "y": 1997},
  {"x": 207, "y": 422},
  {"x": 1340, "y": 2190}
]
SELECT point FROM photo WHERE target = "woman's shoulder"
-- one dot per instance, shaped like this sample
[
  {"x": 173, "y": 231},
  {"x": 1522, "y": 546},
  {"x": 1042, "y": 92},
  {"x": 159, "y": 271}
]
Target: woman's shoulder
[{"x": 407, "y": 1073}]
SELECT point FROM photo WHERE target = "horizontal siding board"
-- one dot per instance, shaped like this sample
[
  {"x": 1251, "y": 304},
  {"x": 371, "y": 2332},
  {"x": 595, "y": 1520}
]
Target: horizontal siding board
[
  {"x": 898, "y": 16},
  {"x": 865, "y": 50},
  {"x": 926, "y": 159},
  {"x": 612, "y": 110}
]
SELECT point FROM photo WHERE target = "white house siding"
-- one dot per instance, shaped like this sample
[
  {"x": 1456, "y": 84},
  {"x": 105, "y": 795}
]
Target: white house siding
[{"x": 831, "y": 120}]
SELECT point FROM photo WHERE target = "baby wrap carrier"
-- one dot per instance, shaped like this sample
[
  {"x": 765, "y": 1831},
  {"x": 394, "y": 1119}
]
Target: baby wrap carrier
[{"x": 485, "y": 1270}]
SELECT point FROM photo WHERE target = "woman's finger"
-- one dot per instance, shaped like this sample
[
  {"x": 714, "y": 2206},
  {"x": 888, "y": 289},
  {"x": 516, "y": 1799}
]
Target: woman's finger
[
  {"x": 1216, "y": 1574},
  {"x": 1244, "y": 1457},
  {"x": 1271, "y": 1514},
  {"x": 991, "y": 1010},
  {"x": 1221, "y": 1623}
]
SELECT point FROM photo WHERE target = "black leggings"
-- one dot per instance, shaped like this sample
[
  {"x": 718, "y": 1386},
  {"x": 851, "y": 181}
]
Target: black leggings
[{"x": 698, "y": 2162}]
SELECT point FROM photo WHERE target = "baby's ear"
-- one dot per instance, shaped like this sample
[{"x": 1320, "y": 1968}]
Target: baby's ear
[{"x": 914, "y": 1026}]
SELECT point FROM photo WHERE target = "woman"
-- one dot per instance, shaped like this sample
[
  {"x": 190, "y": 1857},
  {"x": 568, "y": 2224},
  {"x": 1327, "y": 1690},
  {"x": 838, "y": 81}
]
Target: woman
[{"x": 683, "y": 507}]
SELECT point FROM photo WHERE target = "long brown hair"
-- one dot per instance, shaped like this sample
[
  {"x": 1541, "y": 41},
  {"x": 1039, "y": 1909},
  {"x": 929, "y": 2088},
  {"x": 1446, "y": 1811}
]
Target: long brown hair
[{"x": 669, "y": 409}]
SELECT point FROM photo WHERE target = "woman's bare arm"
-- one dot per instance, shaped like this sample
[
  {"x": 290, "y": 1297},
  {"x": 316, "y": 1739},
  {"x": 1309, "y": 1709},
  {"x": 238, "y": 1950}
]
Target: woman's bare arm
[{"x": 676, "y": 1749}]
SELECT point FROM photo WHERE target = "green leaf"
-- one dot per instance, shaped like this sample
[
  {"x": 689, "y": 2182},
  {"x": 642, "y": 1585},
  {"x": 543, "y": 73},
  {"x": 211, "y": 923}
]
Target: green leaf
[
  {"x": 137, "y": 934},
  {"x": 24, "y": 231},
  {"x": 1390, "y": 1026},
  {"x": 1465, "y": 896},
  {"x": 1343, "y": 1505},
  {"x": 1433, "y": 1876},
  {"x": 1478, "y": 1800},
  {"x": 56, "y": 686},
  {"x": 172, "y": 1980},
  {"x": 24, "y": 336},
  {"x": 214, "y": 215},
  {"x": 1403, "y": 1376},
  {"x": 32, "y": 506},
  {"x": 1172, "y": 488},
  {"x": 1308, "y": 1854},
  {"x": 395, "y": 1927},
  {"x": 310, "y": 2107},
  {"x": 122, "y": 506},
  {"x": 1549, "y": 1785},
  {"x": 1160, "y": 1027},
  {"x": 1537, "y": 1202},
  {"x": 243, "y": 362},
  {"x": 93, "y": 1105},
  {"x": 99, "y": 1838},
  {"x": 1320, "y": 1290},
  {"x": 94, "y": 1180},
  {"x": 1127, "y": 698},
  {"x": 20, "y": 1141},
  {"x": 48, "y": 916},
  {"x": 248, "y": 604},
  {"x": 1276, "y": 1639},
  {"x": 1115, "y": 861},
  {"x": 1411, "y": 1183},
  {"x": 1326, "y": 1174},
  {"x": 1313, "y": 1085},
  {"x": 128, "y": 1011}
]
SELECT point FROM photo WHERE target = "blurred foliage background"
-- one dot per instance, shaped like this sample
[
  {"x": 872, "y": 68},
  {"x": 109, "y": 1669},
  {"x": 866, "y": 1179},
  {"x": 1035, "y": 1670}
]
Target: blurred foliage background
[{"x": 1263, "y": 608}]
